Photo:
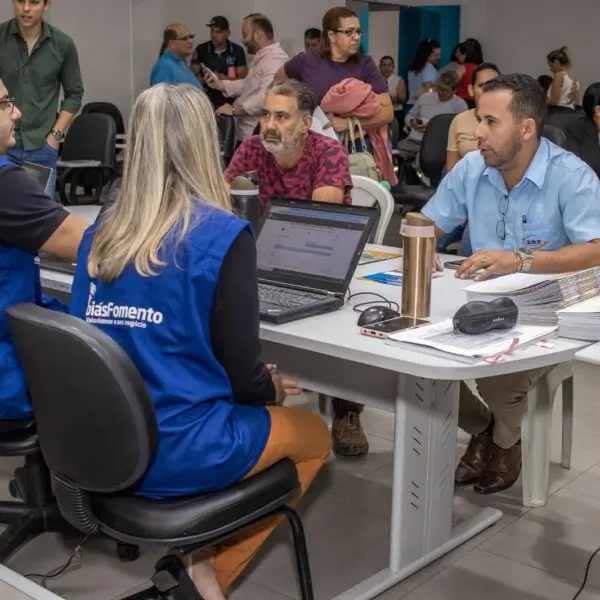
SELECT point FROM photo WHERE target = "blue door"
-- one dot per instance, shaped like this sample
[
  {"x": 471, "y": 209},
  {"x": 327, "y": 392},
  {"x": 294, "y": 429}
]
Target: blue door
[
  {"x": 363, "y": 17},
  {"x": 421, "y": 22}
]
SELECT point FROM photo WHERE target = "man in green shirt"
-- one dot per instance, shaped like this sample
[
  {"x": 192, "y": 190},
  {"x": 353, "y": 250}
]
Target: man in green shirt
[{"x": 36, "y": 60}]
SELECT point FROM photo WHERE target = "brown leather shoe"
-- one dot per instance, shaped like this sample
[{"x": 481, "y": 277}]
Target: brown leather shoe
[
  {"x": 475, "y": 460},
  {"x": 348, "y": 436},
  {"x": 502, "y": 471}
]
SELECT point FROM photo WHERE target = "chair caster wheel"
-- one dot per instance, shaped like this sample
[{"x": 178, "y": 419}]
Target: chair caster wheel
[
  {"x": 128, "y": 552},
  {"x": 13, "y": 489}
]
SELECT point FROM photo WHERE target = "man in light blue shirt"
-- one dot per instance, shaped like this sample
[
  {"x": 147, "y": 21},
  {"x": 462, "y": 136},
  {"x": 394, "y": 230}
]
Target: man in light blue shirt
[
  {"x": 531, "y": 207},
  {"x": 172, "y": 64}
]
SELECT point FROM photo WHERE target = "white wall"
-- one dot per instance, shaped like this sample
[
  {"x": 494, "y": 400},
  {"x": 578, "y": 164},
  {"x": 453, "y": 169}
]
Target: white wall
[
  {"x": 102, "y": 32},
  {"x": 518, "y": 34},
  {"x": 383, "y": 34},
  {"x": 118, "y": 40},
  {"x": 149, "y": 18},
  {"x": 473, "y": 20},
  {"x": 519, "y": 40},
  {"x": 289, "y": 23}
]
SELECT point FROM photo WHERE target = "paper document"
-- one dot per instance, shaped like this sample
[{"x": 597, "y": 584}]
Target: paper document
[
  {"x": 581, "y": 321},
  {"x": 441, "y": 336},
  {"x": 539, "y": 297},
  {"x": 373, "y": 256},
  {"x": 388, "y": 278},
  {"x": 320, "y": 119}
]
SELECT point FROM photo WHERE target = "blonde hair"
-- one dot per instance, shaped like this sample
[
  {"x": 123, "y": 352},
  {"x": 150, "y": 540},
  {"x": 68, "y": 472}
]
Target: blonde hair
[{"x": 172, "y": 162}]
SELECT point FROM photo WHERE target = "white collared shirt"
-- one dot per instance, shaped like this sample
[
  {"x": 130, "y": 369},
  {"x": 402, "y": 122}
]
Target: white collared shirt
[{"x": 250, "y": 92}]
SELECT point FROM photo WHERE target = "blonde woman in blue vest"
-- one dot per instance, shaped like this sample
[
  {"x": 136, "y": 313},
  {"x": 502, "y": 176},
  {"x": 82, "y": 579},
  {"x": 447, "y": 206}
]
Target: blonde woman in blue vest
[{"x": 171, "y": 252}]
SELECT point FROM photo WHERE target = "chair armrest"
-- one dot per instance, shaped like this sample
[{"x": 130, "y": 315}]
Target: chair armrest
[{"x": 79, "y": 164}]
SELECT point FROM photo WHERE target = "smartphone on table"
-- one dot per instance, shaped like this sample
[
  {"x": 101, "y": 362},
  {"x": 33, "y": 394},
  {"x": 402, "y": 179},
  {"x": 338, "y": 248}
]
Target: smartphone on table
[
  {"x": 384, "y": 329},
  {"x": 454, "y": 264}
]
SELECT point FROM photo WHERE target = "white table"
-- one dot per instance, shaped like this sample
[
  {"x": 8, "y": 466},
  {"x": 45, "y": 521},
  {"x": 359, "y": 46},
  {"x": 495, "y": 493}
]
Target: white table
[
  {"x": 15, "y": 587},
  {"x": 327, "y": 354},
  {"x": 87, "y": 212}
]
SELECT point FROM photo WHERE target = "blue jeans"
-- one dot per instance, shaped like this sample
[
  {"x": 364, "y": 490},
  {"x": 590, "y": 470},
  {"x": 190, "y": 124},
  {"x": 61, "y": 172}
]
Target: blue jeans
[
  {"x": 47, "y": 156},
  {"x": 359, "y": 148}
]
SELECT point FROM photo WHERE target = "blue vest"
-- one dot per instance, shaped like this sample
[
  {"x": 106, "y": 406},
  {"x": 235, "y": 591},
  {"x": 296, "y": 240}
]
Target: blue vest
[
  {"x": 19, "y": 283},
  {"x": 206, "y": 440}
]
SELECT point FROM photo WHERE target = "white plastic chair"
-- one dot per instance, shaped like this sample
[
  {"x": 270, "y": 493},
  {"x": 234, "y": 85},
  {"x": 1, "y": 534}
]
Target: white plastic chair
[
  {"x": 536, "y": 432},
  {"x": 367, "y": 192}
]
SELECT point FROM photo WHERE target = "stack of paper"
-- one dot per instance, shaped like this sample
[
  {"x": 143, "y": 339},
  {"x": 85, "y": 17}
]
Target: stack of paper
[
  {"x": 539, "y": 297},
  {"x": 441, "y": 336},
  {"x": 581, "y": 321}
]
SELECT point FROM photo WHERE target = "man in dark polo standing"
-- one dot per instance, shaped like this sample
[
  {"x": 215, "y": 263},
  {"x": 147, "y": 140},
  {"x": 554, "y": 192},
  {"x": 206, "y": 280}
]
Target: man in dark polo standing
[
  {"x": 36, "y": 60},
  {"x": 222, "y": 56}
]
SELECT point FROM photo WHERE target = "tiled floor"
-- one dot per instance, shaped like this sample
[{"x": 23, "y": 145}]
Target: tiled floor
[{"x": 529, "y": 555}]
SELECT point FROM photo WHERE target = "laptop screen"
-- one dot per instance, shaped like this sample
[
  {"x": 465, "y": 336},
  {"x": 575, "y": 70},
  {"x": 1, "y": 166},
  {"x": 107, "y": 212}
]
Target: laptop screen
[{"x": 312, "y": 244}]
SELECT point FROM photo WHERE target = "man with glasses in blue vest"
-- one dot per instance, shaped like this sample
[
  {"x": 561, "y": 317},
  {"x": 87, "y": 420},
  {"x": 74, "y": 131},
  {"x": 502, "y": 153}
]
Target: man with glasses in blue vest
[
  {"x": 532, "y": 207},
  {"x": 172, "y": 65},
  {"x": 29, "y": 221}
]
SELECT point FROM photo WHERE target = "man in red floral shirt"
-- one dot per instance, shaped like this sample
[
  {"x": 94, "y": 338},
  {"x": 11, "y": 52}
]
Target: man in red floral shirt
[
  {"x": 291, "y": 161},
  {"x": 294, "y": 162}
]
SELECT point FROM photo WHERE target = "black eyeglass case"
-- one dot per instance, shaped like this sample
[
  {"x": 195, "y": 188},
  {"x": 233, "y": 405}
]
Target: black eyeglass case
[{"x": 478, "y": 317}]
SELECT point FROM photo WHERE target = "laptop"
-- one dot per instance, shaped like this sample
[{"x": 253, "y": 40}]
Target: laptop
[
  {"x": 307, "y": 255},
  {"x": 55, "y": 263},
  {"x": 41, "y": 174}
]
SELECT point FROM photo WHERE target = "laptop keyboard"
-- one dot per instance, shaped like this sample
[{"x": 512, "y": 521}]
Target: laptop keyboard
[{"x": 272, "y": 294}]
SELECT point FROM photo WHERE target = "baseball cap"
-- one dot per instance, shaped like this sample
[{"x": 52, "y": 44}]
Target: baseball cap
[{"x": 219, "y": 22}]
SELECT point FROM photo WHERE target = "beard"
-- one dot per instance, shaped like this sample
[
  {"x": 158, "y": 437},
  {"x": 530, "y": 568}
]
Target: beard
[
  {"x": 499, "y": 157},
  {"x": 279, "y": 145}
]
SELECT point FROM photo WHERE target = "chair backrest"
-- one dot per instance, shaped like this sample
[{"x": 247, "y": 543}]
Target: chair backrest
[
  {"x": 95, "y": 419},
  {"x": 106, "y": 108},
  {"x": 91, "y": 137},
  {"x": 226, "y": 126},
  {"x": 555, "y": 135},
  {"x": 559, "y": 110},
  {"x": 368, "y": 192},
  {"x": 563, "y": 120},
  {"x": 432, "y": 154},
  {"x": 394, "y": 132}
]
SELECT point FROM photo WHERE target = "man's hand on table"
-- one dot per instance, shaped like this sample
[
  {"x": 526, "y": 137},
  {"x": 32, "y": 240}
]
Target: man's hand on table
[{"x": 489, "y": 262}]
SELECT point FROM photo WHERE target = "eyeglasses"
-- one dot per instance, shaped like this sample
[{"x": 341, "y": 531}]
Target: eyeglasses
[
  {"x": 501, "y": 224},
  {"x": 8, "y": 104},
  {"x": 186, "y": 38},
  {"x": 351, "y": 32}
]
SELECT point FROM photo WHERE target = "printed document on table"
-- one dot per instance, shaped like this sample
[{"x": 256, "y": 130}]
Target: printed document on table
[{"x": 441, "y": 336}]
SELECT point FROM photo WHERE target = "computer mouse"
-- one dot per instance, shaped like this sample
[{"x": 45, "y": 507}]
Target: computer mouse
[{"x": 375, "y": 314}]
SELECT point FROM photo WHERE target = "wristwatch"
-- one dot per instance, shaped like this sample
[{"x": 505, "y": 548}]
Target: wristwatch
[
  {"x": 525, "y": 257},
  {"x": 58, "y": 135}
]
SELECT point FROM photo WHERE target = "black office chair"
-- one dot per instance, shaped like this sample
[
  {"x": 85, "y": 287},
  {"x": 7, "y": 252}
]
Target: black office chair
[
  {"x": 91, "y": 137},
  {"x": 432, "y": 161},
  {"x": 555, "y": 135},
  {"x": 106, "y": 108},
  {"x": 563, "y": 121},
  {"x": 98, "y": 433},
  {"x": 559, "y": 110},
  {"x": 226, "y": 126},
  {"x": 37, "y": 513}
]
